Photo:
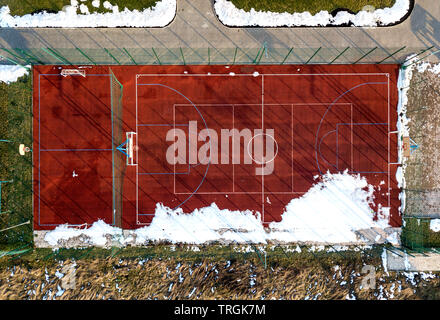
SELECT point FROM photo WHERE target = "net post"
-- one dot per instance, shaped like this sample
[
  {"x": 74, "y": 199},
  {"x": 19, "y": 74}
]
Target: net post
[
  {"x": 340, "y": 54},
  {"x": 156, "y": 56},
  {"x": 366, "y": 54},
  {"x": 390, "y": 55},
  {"x": 90, "y": 59},
  {"x": 313, "y": 55}
]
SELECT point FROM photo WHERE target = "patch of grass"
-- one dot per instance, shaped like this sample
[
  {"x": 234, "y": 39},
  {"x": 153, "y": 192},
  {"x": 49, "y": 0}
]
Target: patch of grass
[
  {"x": 23, "y": 7},
  {"x": 265, "y": 256},
  {"x": 16, "y": 126},
  {"x": 416, "y": 234},
  {"x": 312, "y": 6}
]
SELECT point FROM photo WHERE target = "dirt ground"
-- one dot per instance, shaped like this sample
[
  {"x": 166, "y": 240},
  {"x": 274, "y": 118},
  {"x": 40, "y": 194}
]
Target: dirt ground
[
  {"x": 421, "y": 173},
  {"x": 297, "y": 276}
]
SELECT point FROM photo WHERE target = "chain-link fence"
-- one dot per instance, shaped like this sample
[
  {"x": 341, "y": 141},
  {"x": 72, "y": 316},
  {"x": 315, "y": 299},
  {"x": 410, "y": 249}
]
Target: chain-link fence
[
  {"x": 419, "y": 233},
  {"x": 17, "y": 197},
  {"x": 205, "y": 56}
]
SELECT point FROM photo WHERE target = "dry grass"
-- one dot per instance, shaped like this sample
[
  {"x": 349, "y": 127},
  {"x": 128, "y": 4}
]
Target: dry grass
[
  {"x": 328, "y": 276},
  {"x": 421, "y": 169}
]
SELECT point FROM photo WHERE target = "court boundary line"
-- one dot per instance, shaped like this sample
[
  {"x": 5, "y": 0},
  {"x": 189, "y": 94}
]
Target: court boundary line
[
  {"x": 40, "y": 150},
  {"x": 262, "y": 103}
]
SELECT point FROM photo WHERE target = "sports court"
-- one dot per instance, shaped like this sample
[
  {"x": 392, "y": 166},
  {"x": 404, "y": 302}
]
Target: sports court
[{"x": 103, "y": 138}]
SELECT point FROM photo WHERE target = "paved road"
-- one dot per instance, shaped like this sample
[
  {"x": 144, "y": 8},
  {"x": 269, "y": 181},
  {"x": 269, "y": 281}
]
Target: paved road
[{"x": 196, "y": 26}]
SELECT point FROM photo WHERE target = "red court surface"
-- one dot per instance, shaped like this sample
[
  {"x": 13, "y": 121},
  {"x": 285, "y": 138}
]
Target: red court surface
[{"x": 320, "y": 118}]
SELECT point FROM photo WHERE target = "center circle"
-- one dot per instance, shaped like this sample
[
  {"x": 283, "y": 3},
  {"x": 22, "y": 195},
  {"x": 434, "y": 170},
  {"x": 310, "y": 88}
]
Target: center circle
[{"x": 267, "y": 136}]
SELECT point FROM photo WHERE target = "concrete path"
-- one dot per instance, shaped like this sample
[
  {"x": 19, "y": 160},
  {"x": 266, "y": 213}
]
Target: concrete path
[
  {"x": 415, "y": 262},
  {"x": 196, "y": 26}
]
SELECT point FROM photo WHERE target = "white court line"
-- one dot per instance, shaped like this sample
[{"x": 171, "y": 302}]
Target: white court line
[
  {"x": 233, "y": 140},
  {"x": 242, "y": 192},
  {"x": 262, "y": 104},
  {"x": 137, "y": 157},
  {"x": 262, "y": 130},
  {"x": 251, "y": 75},
  {"x": 389, "y": 156}
]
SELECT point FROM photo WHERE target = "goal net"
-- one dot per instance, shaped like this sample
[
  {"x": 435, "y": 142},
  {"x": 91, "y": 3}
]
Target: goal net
[{"x": 73, "y": 72}]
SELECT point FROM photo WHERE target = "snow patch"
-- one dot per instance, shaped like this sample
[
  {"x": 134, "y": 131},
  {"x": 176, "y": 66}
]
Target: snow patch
[
  {"x": 95, "y": 235},
  {"x": 11, "y": 73},
  {"x": 434, "y": 225},
  {"x": 158, "y": 16},
  {"x": 96, "y": 3},
  {"x": 230, "y": 15},
  {"x": 332, "y": 211}
]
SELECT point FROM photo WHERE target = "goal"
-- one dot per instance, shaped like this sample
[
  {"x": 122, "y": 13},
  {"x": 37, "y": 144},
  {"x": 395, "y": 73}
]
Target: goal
[
  {"x": 73, "y": 72},
  {"x": 130, "y": 148}
]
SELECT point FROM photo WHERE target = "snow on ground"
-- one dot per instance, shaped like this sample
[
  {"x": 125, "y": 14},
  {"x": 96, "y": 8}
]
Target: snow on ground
[
  {"x": 10, "y": 73},
  {"x": 403, "y": 84},
  {"x": 232, "y": 16},
  {"x": 405, "y": 76},
  {"x": 330, "y": 212},
  {"x": 95, "y": 235},
  {"x": 158, "y": 16},
  {"x": 434, "y": 225}
]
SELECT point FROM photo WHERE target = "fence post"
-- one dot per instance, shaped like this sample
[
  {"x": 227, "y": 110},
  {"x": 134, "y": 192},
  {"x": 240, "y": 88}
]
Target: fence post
[
  {"x": 16, "y": 56},
  {"x": 183, "y": 57},
  {"x": 209, "y": 57},
  {"x": 258, "y": 54},
  {"x": 313, "y": 55},
  {"x": 34, "y": 58},
  {"x": 156, "y": 56},
  {"x": 406, "y": 66},
  {"x": 235, "y": 55},
  {"x": 421, "y": 52},
  {"x": 56, "y": 55},
  {"x": 364, "y": 55},
  {"x": 90, "y": 59},
  {"x": 112, "y": 56},
  {"x": 287, "y": 55},
  {"x": 389, "y": 56},
  {"x": 132, "y": 59},
  {"x": 15, "y": 62},
  {"x": 261, "y": 56},
  {"x": 340, "y": 54},
  {"x": 18, "y": 225}
]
